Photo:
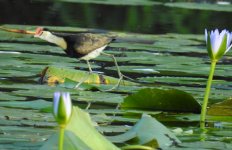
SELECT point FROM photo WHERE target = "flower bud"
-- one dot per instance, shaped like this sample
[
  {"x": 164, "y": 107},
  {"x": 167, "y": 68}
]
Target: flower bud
[
  {"x": 62, "y": 107},
  {"x": 218, "y": 43}
]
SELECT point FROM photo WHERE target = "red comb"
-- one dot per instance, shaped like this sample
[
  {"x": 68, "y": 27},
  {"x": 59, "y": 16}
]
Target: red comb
[{"x": 38, "y": 30}]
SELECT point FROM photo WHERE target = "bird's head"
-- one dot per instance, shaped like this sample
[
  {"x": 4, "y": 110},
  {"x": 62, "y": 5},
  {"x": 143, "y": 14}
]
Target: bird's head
[
  {"x": 42, "y": 33},
  {"x": 46, "y": 35}
]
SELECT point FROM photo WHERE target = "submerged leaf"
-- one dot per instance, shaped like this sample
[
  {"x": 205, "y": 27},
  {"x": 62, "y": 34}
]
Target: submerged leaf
[{"x": 163, "y": 100}]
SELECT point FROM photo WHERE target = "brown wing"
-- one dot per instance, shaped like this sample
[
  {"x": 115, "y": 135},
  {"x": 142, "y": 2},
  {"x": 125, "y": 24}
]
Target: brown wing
[{"x": 88, "y": 42}]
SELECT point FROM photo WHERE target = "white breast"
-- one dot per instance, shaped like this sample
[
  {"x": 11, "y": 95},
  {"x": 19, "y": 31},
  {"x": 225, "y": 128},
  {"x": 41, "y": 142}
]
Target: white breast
[{"x": 94, "y": 53}]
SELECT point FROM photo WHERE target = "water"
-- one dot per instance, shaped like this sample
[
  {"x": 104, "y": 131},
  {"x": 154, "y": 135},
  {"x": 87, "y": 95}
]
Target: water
[
  {"x": 156, "y": 19},
  {"x": 24, "y": 125}
]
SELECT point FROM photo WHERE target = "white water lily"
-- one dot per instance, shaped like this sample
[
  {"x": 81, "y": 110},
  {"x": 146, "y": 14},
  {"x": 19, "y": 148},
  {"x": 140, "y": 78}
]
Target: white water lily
[
  {"x": 62, "y": 107},
  {"x": 218, "y": 43}
]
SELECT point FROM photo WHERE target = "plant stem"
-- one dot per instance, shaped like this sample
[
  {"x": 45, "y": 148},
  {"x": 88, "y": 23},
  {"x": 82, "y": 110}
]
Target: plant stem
[
  {"x": 61, "y": 138},
  {"x": 207, "y": 91}
]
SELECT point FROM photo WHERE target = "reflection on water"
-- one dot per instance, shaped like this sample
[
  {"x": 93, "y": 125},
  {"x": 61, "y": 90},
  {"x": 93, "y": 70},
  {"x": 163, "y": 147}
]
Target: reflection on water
[{"x": 145, "y": 19}]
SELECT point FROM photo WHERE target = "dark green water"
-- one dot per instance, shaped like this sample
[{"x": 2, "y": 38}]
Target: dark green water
[{"x": 155, "y": 19}]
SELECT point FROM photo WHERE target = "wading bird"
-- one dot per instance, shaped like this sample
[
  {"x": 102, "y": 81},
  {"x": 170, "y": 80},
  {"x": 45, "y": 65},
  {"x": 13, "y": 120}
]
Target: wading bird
[{"x": 84, "y": 46}]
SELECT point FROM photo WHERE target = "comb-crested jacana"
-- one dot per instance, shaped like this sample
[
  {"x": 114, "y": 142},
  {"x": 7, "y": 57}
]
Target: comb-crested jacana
[{"x": 84, "y": 46}]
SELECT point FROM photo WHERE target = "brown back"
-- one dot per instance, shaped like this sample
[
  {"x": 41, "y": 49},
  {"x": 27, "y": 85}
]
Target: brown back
[{"x": 88, "y": 42}]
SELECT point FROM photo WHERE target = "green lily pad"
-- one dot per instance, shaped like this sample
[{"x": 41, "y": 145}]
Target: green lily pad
[
  {"x": 55, "y": 74},
  {"x": 72, "y": 84},
  {"x": 36, "y": 104},
  {"x": 8, "y": 96},
  {"x": 205, "y": 145},
  {"x": 112, "y": 2},
  {"x": 201, "y": 6},
  {"x": 221, "y": 109},
  {"x": 175, "y": 80},
  {"x": 166, "y": 61},
  {"x": 163, "y": 100},
  {"x": 16, "y": 116},
  {"x": 148, "y": 131}
]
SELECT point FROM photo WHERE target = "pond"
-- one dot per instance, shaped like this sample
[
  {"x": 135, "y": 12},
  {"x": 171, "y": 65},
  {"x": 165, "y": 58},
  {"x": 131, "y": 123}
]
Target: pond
[
  {"x": 158, "y": 44},
  {"x": 140, "y": 16}
]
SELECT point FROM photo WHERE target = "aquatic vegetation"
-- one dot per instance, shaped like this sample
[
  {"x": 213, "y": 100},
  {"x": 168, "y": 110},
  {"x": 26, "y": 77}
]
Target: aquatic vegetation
[
  {"x": 62, "y": 108},
  {"x": 62, "y": 111},
  {"x": 217, "y": 45},
  {"x": 178, "y": 62}
]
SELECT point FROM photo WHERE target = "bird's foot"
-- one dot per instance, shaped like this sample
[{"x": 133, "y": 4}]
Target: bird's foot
[{"x": 121, "y": 77}]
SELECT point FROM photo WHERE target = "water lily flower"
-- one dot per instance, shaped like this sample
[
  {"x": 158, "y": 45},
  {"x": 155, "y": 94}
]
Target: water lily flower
[
  {"x": 62, "y": 107},
  {"x": 218, "y": 43}
]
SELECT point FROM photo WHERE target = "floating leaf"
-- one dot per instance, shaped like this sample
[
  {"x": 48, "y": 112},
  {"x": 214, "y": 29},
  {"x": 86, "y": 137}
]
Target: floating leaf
[
  {"x": 175, "y": 80},
  {"x": 13, "y": 115},
  {"x": 72, "y": 84},
  {"x": 22, "y": 57},
  {"x": 37, "y": 104},
  {"x": 9, "y": 96},
  {"x": 148, "y": 131},
  {"x": 54, "y": 75},
  {"x": 221, "y": 109},
  {"x": 205, "y": 145},
  {"x": 164, "y": 100},
  {"x": 112, "y": 2},
  {"x": 201, "y": 6}
]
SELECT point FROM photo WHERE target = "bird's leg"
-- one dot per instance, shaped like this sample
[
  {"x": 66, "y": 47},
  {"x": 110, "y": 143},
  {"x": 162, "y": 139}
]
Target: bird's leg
[
  {"x": 115, "y": 62},
  {"x": 83, "y": 80},
  {"x": 86, "y": 77},
  {"x": 118, "y": 70},
  {"x": 117, "y": 108},
  {"x": 88, "y": 106},
  {"x": 90, "y": 69}
]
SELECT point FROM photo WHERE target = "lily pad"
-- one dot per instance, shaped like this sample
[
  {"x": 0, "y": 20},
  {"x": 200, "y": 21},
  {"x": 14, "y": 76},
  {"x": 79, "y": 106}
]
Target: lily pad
[
  {"x": 201, "y": 6},
  {"x": 148, "y": 131},
  {"x": 37, "y": 104},
  {"x": 112, "y": 2},
  {"x": 163, "y": 100},
  {"x": 55, "y": 74},
  {"x": 151, "y": 57},
  {"x": 221, "y": 109},
  {"x": 175, "y": 80}
]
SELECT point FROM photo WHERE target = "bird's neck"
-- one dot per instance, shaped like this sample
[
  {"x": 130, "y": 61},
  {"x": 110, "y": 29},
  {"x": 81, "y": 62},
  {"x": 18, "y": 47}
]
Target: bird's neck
[{"x": 55, "y": 39}]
